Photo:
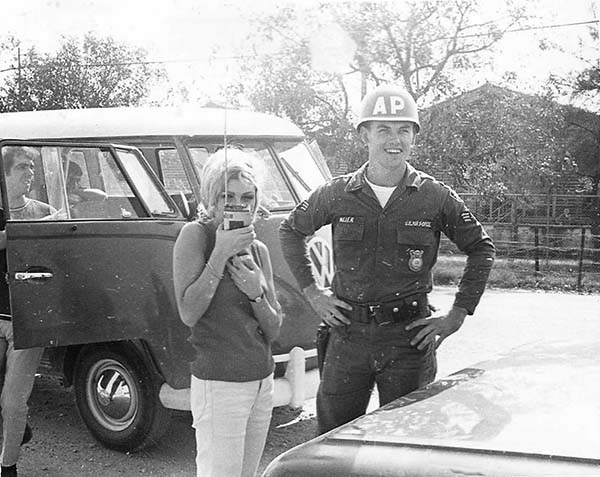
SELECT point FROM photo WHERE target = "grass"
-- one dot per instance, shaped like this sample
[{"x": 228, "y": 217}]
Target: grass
[{"x": 556, "y": 274}]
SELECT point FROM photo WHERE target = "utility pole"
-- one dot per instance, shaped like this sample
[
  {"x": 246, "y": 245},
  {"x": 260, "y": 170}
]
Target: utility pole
[{"x": 19, "y": 104}]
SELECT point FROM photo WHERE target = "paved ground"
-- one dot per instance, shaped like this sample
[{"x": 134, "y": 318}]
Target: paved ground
[{"x": 505, "y": 319}]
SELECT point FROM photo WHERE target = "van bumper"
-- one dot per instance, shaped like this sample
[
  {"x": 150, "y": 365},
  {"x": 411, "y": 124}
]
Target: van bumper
[{"x": 292, "y": 389}]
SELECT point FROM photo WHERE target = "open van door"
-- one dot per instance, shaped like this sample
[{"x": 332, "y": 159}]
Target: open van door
[{"x": 99, "y": 268}]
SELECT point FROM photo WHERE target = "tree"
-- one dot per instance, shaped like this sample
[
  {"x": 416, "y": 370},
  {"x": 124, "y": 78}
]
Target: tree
[
  {"x": 587, "y": 146},
  {"x": 284, "y": 83},
  {"x": 587, "y": 84},
  {"x": 94, "y": 72},
  {"x": 420, "y": 43},
  {"x": 415, "y": 42},
  {"x": 494, "y": 141}
]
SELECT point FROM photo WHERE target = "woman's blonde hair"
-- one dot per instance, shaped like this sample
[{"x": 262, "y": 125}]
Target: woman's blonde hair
[{"x": 219, "y": 170}]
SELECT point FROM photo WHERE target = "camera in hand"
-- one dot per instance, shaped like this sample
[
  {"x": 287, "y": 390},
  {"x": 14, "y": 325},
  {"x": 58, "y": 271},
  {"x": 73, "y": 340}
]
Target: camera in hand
[{"x": 236, "y": 217}]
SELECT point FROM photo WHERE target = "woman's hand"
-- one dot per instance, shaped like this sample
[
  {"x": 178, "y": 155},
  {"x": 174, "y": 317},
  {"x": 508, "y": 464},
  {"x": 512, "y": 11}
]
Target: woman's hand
[
  {"x": 230, "y": 242},
  {"x": 247, "y": 275}
]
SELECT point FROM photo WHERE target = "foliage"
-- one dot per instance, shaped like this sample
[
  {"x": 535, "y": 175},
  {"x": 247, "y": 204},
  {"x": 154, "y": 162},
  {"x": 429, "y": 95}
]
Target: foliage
[
  {"x": 588, "y": 138},
  {"x": 587, "y": 84},
  {"x": 584, "y": 142},
  {"x": 589, "y": 80},
  {"x": 311, "y": 62},
  {"x": 495, "y": 141},
  {"x": 94, "y": 72}
]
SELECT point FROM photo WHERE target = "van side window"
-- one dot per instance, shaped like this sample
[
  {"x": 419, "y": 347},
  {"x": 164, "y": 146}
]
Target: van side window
[
  {"x": 65, "y": 183},
  {"x": 172, "y": 173},
  {"x": 149, "y": 192},
  {"x": 174, "y": 179},
  {"x": 96, "y": 187}
]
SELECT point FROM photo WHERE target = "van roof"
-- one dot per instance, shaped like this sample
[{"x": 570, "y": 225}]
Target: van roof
[{"x": 142, "y": 121}]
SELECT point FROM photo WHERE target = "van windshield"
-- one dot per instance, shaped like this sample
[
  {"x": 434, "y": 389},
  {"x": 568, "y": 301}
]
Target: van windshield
[
  {"x": 287, "y": 169},
  {"x": 297, "y": 168},
  {"x": 275, "y": 192}
]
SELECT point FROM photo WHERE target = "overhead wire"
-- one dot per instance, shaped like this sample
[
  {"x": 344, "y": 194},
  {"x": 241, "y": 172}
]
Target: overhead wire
[{"x": 242, "y": 57}]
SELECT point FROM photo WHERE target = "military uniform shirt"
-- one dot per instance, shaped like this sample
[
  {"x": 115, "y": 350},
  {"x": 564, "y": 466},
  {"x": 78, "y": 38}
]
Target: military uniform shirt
[{"x": 390, "y": 251}]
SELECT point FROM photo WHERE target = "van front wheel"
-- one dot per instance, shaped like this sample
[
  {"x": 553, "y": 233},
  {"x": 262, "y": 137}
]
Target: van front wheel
[{"x": 117, "y": 397}]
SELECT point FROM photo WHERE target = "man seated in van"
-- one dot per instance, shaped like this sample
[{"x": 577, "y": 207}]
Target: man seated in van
[
  {"x": 83, "y": 202},
  {"x": 17, "y": 367},
  {"x": 19, "y": 172},
  {"x": 75, "y": 192}
]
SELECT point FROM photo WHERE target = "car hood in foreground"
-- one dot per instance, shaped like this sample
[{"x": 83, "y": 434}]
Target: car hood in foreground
[{"x": 539, "y": 402}]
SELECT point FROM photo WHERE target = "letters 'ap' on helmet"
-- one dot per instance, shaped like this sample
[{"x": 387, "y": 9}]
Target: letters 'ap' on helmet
[{"x": 388, "y": 103}]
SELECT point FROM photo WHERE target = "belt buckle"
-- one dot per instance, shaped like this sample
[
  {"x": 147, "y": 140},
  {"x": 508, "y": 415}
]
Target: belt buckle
[
  {"x": 376, "y": 314},
  {"x": 373, "y": 311}
]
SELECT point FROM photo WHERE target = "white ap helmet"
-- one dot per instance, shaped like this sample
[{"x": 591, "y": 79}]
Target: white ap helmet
[{"x": 388, "y": 103}]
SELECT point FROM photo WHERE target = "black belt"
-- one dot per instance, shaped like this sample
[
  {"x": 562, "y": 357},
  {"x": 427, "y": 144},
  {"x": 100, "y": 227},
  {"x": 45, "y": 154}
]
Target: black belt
[{"x": 399, "y": 310}]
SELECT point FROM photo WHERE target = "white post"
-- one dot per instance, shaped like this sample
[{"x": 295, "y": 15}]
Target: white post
[{"x": 294, "y": 373}]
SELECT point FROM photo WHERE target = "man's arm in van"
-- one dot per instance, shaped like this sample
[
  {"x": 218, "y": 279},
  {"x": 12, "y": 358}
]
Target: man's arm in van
[
  {"x": 60, "y": 214},
  {"x": 87, "y": 194}
]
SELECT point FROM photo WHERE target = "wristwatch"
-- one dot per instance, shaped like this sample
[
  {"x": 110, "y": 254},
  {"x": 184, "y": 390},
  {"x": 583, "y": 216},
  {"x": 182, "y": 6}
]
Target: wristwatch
[{"x": 258, "y": 299}]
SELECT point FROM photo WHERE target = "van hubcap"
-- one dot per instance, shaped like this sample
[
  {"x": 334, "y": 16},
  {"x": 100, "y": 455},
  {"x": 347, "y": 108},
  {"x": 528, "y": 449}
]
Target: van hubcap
[{"x": 112, "y": 395}]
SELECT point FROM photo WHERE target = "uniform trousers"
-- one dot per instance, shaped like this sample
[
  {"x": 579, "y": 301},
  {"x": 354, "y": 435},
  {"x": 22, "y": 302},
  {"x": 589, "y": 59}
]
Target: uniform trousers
[
  {"x": 231, "y": 421},
  {"x": 18, "y": 369},
  {"x": 361, "y": 355}
]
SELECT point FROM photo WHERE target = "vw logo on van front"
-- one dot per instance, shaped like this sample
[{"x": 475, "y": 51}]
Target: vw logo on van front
[{"x": 321, "y": 258}]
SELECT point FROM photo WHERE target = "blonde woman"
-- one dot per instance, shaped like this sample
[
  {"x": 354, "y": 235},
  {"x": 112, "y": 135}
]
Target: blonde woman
[{"x": 225, "y": 294}]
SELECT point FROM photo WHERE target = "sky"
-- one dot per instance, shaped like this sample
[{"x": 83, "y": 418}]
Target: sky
[{"x": 186, "y": 33}]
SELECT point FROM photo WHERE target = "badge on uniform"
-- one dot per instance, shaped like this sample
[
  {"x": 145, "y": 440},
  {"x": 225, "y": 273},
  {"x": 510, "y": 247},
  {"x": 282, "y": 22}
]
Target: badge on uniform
[{"x": 415, "y": 261}]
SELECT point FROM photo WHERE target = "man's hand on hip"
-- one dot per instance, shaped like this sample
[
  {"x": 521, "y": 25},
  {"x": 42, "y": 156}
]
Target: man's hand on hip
[
  {"x": 327, "y": 305},
  {"x": 436, "y": 329}
]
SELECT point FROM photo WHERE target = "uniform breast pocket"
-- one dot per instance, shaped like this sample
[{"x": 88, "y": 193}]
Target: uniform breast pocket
[
  {"x": 415, "y": 250},
  {"x": 348, "y": 236}
]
